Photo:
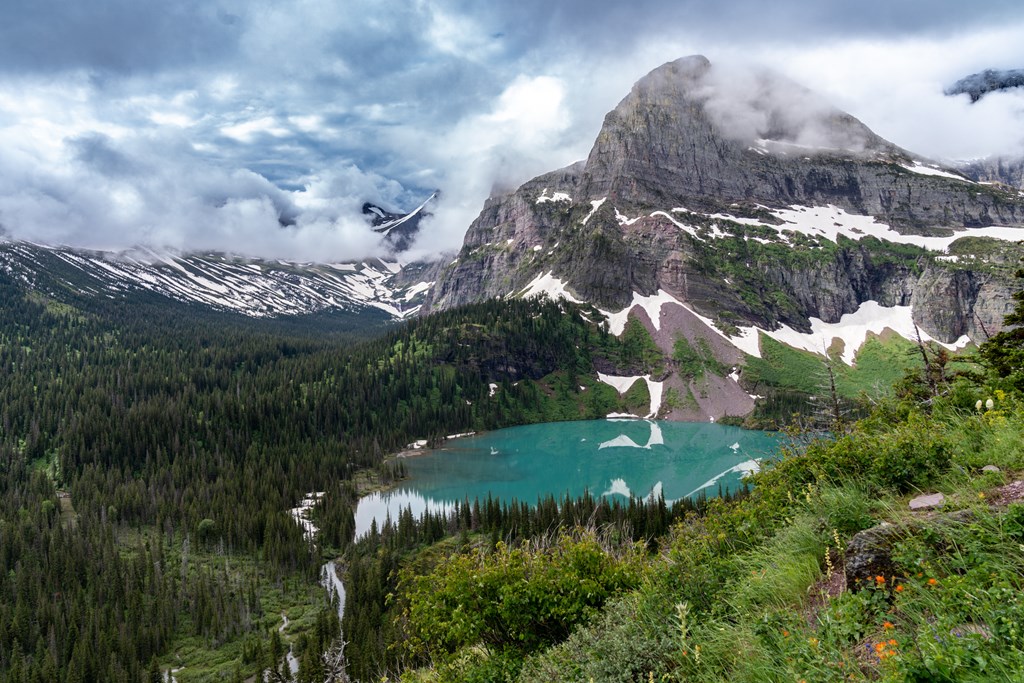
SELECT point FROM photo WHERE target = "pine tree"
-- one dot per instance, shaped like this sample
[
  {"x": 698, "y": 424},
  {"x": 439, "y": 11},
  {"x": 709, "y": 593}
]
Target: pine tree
[{"x": 1003, "y": 353}]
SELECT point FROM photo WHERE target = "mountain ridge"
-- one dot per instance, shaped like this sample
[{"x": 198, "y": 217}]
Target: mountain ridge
[
  {"x": 387, "y": 287},
  {"x": 743, "y": 235}
]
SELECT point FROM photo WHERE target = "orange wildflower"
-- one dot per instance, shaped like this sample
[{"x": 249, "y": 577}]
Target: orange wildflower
[
  {"x": 880, "y": 579},
  {"x": 888, "y": 625},
  {"x": 932, "y": 582},
  {"x": 899, "y": 588}
]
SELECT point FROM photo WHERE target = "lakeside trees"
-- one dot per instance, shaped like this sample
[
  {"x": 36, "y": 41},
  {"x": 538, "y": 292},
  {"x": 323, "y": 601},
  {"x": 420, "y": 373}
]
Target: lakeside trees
[{"x": 162, "y": 430}]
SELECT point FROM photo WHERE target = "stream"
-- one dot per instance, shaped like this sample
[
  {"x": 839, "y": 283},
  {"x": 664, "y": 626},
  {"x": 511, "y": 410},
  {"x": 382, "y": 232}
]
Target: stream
[{"x": 329, "y": 578}]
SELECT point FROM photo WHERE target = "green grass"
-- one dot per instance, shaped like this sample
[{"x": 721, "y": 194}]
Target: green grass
[
  {"x": 637, "y": 398},
  {"x": 783, "y": 367}
]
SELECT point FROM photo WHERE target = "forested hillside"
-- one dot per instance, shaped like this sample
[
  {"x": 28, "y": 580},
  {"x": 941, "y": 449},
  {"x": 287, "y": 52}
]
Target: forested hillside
[{"x": 147, "y": 465}]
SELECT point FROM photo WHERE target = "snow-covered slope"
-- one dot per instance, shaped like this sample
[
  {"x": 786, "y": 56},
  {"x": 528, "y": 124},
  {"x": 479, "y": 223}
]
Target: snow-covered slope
[{"x": 254, "y": 288}]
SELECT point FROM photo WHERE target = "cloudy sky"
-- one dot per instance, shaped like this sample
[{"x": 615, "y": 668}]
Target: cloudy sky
[{"x": 200, "y": 124}]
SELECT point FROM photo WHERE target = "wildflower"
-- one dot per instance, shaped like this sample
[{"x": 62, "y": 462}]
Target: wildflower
[
  {"x": 1000, "y": 394},
  {"x": 932, "y": 582},
  {"x": 981, "y": 494},
  {"x": 892, "y": 642},
  {"x": 879, "y": 647},
  {"x": 880, "y": 579},
  {"x": 990, "y": 404},
  {"x": 813, "y": 642},
  {"x": 977, "y": 406},
  {"x": 785, "y": 633},
  {"x": 899, "y": 588},
  {"x": 888, "y": 625}
]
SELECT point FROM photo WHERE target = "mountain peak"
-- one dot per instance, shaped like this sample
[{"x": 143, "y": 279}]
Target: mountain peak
[
  {"x": 691, "y": 130},
  {"x": 679, "y": 71}
]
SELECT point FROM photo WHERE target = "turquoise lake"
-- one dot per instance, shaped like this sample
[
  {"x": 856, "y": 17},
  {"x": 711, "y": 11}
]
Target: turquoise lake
[{"x": 611, "y": 457}]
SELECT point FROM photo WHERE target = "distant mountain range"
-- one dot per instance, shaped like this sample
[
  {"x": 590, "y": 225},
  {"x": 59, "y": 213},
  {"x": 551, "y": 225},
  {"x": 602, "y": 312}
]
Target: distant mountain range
[{"x": 386, "y": 288}]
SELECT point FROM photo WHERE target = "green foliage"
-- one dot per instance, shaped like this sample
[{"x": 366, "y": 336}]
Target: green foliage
[
  {"x": 693, "y": 363},
  {"x": 215, "y": 434},
  {"x": 513, "y": 598},
  {"x": 1003, "y": 354},
  {"x": 783, "y": 367},
  {"x": 637, "y": 398},
  {"x": 634, "y": 352}
]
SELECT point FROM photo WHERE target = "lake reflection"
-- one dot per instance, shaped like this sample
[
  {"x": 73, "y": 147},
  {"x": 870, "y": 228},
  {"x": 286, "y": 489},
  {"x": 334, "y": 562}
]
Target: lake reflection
[{"x": 606, "y": 457}]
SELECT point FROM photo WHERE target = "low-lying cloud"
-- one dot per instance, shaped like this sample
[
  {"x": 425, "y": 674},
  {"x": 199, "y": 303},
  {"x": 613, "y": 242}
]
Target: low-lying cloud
[{"x": 752, "y": 103}]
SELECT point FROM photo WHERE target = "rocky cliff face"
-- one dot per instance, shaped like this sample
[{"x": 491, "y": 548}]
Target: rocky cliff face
[
  {"x": 753, "y": 204},
  {"x": 684, "y": 137},
  {"x": 1008, "y": 171}
]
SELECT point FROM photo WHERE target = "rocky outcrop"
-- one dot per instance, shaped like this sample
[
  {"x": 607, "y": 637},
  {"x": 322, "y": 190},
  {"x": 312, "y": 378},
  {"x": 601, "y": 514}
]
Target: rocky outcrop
[
  {"x": 980, "y": 84},
  {"x": 869, "y": 556},
  {"x": 950, "y": 303}
]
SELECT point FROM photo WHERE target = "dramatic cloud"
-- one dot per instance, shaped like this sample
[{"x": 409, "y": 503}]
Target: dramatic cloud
[{"x": 261, "y": 127}]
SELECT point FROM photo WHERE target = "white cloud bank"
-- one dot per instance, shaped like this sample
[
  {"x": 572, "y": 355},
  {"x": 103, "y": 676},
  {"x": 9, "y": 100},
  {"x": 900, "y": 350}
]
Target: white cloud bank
[{"x": 122, "y": 128}]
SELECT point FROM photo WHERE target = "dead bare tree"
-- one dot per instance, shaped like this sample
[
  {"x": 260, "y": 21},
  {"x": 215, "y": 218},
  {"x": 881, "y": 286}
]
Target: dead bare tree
[
  {"x": 929, "y": 374},
  {"x": 334, "y": 663}
]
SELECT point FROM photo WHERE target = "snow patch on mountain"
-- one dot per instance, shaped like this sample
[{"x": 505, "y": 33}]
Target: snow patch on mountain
[
  {"x": 556, "y": 197},
  {"x": 258, "y": 289},
  {"x": 852, "y": 331},
  {"x": 918, "y": 167},
  {"x": 596, "y": 204},
  {"x": 622, "y": 385},
  {"x": 549, "y": 285},
  {"x": 829, "y": 222},
  {"x": 387, "y": 226},
  {"x": 651, "y": 304}
]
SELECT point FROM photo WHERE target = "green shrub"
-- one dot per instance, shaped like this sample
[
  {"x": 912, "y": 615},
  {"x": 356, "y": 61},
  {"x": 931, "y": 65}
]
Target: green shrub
[{"x": 513, "y": 598}]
